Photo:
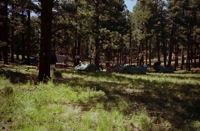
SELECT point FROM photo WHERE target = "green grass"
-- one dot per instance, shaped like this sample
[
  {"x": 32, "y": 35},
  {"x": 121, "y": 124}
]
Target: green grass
[{"x": 98, "y": 101}]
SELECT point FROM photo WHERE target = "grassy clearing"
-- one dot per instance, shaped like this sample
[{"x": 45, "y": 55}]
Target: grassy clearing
[{"x": 98, "y": 101}]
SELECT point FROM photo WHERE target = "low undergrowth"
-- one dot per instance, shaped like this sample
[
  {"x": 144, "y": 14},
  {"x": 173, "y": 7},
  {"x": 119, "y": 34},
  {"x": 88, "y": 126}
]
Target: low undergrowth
[{"x": 98, "y": 101}]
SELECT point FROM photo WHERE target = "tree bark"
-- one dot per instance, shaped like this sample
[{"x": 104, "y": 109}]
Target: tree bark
[
  {"x": 163, "y": 36},
  {"x": 176, "y": 56},
  {"x": 77, "y": 40},
  {"x": 171, "y": 44},
  {"x": 158, "y": 48},
  {"x": 12, "y": 46},
  {"x": 12, "y": 35},
  {"x": 164, "y": 48},
  {"x": 150, "y": 53},
  {"x": 23, "y": 36},
  {"x": 28, "y": 37},
  {"x": 79, "y": 43},
  {"x": 5, "y": 54},
  {"x": 182, "y": 58},
  {"x": 170, "y": 54},
  {"x": 195, "y": 51},
  {"x": 17, "y": 53},
  {"x": 146, "y": 52},
  {"x": 0, "y": 55},
  {"x": 130, "y": 45},
  {"x": 4, "y": 30},
  {"x": 45, "y": 45},
  {"x": 75, "y": 50},
  {"x": 188, "y": 58},
  {"x": 189, "y": 42},
  {"x": 195, "y": 58},
  {"x": 97, "y": 57}
]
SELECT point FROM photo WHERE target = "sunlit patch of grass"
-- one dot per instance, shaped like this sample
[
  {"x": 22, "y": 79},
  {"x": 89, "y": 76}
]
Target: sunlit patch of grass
[
  {"x": 90, "y": 96},
  {"x": 165, "y": 78},
  {"x": 36, "y": 116},
  {"x": 34, "y": 110},
  {"x": 96, "y": 119},
  {"x": 99, "y": 101},
  {"x": 142, "y": 120},
  {"x": 195, "y": 125},
  {"x": 4, "y": 82}
]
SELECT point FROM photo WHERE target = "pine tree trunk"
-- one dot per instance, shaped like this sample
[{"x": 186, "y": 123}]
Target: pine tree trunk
[
  {"x": 79, "y": 46},
  {"x": 45, "y": 45},
  {"x": 75, "y": 50},
  {"x": 4, "y": 30},
  {"x": 97, "y": 57},
  {"x": 188, "y": 53},
  {"x": 12, "y": 46},
  {"x": 195, "y": 58},
  {"x": 150, "y": 53},
  {"x": 189, "y": 40},
  {"x": 120, "y": 56},
  {"x": 176, "y": 56},
  {"x": 191, "y": 53},
  {"x": 158, "y": 48},
  {"x": 164, "y": 43},
  {"x": 17, "y": 53},
  {"x": 199, "y": 61},
  {"x": 164, "y": 54},
  {"x": 195, "y": 51},
  {"x": 23, "y": 37},
  {"x": 117, "y": 57},
  {"x": 129, "y": 57},
  {"x": 170, "y": 54},
  {"x": 188, "y": 58},
  {"x": 79, "y": 50},
  {"x": 23, "y": 47},
  {"x": 138, "y": 56},
  {"x": 12, "y": 36},
  {"x": 182, "y": 58},
  {"x": 77, "y": 40},
  {"x": 0, "y": 55},
  {"x": 5, "y": 54},
  {"x": 171, "y": 44},
  {"x": 146, "y": 53},
  {"x": 130, "y": 46},
  {"x": 28, "y": 37}
]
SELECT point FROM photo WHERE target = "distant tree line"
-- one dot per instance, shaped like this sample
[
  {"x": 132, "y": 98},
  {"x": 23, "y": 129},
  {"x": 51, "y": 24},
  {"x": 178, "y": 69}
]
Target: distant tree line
[
  {"x": 101, "y": 30},
  {"x": 168, "y": 30}
]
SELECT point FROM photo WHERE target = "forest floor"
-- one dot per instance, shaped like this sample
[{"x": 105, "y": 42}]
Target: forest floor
[{"x": 104, "y": 101}]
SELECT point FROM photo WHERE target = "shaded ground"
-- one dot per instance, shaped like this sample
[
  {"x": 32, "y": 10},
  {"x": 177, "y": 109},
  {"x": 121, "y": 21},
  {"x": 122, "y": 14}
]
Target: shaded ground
[
  {"x": 175, "y": 98},
  {"x": 175, "y": 102}
]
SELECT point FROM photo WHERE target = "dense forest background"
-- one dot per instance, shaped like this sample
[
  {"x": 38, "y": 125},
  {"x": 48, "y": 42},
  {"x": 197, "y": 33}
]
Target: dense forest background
[{"x": 101, "y": 30}]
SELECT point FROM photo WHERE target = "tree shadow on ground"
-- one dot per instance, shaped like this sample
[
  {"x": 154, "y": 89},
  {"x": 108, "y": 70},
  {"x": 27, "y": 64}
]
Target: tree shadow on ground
[
  {"x": 173, "y": 102},
  {"x": 15, "y": 77},
  {"x": 179, "y": 76}
]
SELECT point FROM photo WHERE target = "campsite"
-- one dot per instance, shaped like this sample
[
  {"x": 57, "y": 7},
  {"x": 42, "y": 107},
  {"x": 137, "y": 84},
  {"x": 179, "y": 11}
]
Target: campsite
[
  {"x": 97, "y": 65},
  {"x": 74, "y": 100}
]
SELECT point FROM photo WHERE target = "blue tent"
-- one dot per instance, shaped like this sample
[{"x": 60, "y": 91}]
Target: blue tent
[
  {"x": 131, "y": 69},
  {"x": 167, "y": 69}
]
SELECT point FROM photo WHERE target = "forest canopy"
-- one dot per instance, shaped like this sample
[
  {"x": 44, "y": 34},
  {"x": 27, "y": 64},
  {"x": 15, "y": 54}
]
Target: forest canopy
[{"x": 101, "y": 30}]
